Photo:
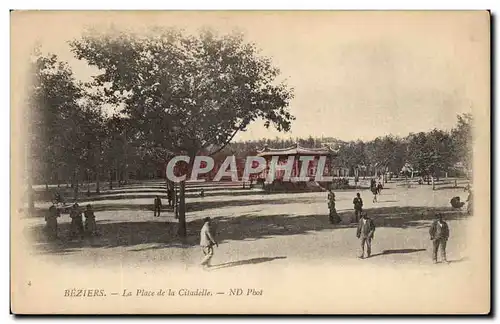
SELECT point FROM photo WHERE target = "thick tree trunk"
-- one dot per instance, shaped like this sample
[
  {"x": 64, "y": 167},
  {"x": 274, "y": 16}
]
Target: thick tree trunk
[
  {"x": 182, "y": 201},
  {"x": 88, "y": 183},
  {"x": 31, "y": 199},
  {"x": 75, "y": 186},
  {"x": 110, "y": 179},
  {"x": 125, "y": 165},
  {"x": 98, "y": 182},
  {"x": 181, "y": 231}
]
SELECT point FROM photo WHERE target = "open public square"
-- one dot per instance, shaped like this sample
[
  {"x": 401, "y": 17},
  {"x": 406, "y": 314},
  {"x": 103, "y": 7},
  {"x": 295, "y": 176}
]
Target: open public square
[{"x": 254, "y": 228}]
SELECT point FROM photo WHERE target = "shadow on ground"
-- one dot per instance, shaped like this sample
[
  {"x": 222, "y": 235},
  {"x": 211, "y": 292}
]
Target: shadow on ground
[
  {"x": 245, "y": 262},
  {"x": 162, "y": 234},
  {"x": 399, "y": 251},
  {"x": 194, "y": 206}
]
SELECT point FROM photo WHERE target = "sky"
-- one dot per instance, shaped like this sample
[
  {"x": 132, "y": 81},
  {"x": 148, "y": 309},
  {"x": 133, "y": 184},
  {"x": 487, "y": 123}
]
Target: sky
[{"x": 356, "y": 75}]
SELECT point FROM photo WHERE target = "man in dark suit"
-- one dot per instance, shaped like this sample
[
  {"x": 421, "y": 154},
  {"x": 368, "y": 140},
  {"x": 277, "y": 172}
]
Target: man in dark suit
[
  {"x": 157, "y": 206},
  {"x": 358, "y": 206},
  {"x": 439, "y": 233},
  {"x": 365, "y": 232}
]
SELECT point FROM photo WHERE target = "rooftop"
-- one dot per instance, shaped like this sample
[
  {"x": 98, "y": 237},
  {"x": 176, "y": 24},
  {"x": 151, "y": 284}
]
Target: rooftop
[{"x": 296, "y": 150}]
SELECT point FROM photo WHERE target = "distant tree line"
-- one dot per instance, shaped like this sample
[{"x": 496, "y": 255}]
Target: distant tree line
[{"x": 432, "y": 153}]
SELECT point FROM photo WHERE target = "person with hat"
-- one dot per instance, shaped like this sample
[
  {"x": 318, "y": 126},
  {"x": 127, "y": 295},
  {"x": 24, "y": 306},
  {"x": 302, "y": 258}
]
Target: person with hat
[
  {"x": 157, "y": 206},
  {"x": 207, "y": 242},
  {"x": 439, "y": 233},
  {"x": 358, "y": 206},
  {"x": 365, "y": 232}
]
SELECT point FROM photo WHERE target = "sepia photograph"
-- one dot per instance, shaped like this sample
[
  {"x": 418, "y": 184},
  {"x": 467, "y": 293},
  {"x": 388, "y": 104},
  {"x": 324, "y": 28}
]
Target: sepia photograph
[{"x": 250, "y": 162}]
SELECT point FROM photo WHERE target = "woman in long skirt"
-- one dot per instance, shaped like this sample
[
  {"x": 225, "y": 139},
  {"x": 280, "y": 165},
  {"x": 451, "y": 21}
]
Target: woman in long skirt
[
  {"x": 333, "y": 216},
  {"x": 90, "y": 224},
  {"x": 76, "y": 221},
  {"x": 51, "y": 225}
]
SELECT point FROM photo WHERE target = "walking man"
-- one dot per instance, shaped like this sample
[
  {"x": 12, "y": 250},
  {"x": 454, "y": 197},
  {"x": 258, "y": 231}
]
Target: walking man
[
  {"x": 358, "y": 206},
  {"x": 365, "y": 232},
  {"x": 207, "y": 242},
  {"x": 380, "y": 186},
  {"x": 374, "y": 192},
  {"x": 439, "y": 233},
  {"x": 170, "y": 197},
  {"x": 157, "y": 206}
]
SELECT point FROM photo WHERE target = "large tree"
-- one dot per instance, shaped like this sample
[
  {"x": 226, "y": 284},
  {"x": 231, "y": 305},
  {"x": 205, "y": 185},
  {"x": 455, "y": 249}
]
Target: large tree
[
  {"x": 186, "y": 93},
  {"x": 462, "y": 140},
  {"x": 430, "y": 153},
  {"x": 54, "y": 121},
  {"x": 386, "y": 152}
]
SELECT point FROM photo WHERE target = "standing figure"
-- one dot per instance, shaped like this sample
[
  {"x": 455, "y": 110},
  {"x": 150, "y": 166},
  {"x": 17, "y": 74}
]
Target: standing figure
[
  {"x": 439, "y": 233},
  {"x": 207, "y": 242},
  {"x": 469, "y": 202},
  {"x": 176, "y": 205},
  {"x": 374, "y": 192},
  {"x": 51, "y": 222},
  {"x": 202, "y": 193},
  {"x": 365, "y": 232},
  {"x": 157, "y": 206},
  {"x": 333, "y": 216},
  {"x": 170, "y": 197},
  {"x": 380, "y": 186},
  {"x": 358, "y": 206},
  {"x": 90, "y": 224},
  {"x": 76, "y": 221}
]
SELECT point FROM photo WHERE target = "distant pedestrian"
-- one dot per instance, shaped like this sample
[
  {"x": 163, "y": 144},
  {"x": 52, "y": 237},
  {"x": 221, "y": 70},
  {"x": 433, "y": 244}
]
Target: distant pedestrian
[
  {"x": 170, "y": 197},
  {"x": 380, "y": 186},
  {"x": 365, "y": 232},
  {"x": 469, "y": 202},
  {"x": 51, "y": 222},
  {"x": 202, "y": 193},
  {"x": 207, "y": 241},
  {"x": 333, "y": 216},
  {"x": 176, "y": 205},
  {"x": 90, "y": 223},
  {"x": 374, "y": 192},
  {"x": 157, "y": 206},
  {"x": 358, "y": 206},
  {"x": 439, "y": 233},
  {"x": 76, "y": 221}
]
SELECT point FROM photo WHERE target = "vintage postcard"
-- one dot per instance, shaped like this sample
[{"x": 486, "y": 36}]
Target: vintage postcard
[{"x": 250, "y": 162}]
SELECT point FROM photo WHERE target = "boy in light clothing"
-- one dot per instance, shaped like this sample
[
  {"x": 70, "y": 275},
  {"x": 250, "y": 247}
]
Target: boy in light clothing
[{"x": 207, "y": 242}]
